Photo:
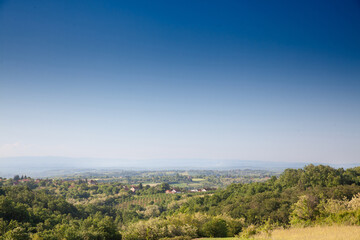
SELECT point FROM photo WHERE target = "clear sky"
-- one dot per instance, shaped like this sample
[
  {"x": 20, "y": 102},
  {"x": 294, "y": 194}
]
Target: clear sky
[{"x": 247, "y": 80}]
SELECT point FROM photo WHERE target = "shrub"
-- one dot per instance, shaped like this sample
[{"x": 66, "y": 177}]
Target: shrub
[{"x": 215, "y": 228}]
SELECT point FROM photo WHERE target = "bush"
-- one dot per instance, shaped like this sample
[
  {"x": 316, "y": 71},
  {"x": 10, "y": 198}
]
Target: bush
[
  {"x": 215, "y": 228},
  {"x": 248, "y": 232}
]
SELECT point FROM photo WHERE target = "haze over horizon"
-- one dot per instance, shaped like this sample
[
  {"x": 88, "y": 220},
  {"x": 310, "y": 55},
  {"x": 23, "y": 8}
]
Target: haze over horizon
[{"x": 139, "y": 80}]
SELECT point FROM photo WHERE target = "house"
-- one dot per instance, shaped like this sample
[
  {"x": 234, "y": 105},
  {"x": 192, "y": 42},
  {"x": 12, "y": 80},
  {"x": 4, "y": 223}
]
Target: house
[
  {"x": 175, "y": 191},
  {"x": 207, "y": 189},
  {"x": 134, "y": 188},
  {"x": 92, "y": 182},
  {"x": 172, "y": 191}
]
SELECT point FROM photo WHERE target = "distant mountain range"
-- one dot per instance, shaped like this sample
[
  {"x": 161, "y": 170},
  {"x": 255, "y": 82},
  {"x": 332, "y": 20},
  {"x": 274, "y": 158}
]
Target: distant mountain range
[{"x": 38, "y": 166}]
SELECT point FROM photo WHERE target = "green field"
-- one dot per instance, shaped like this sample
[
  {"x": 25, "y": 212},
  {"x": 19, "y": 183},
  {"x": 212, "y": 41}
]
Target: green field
[{"x": 198, "y": 179}]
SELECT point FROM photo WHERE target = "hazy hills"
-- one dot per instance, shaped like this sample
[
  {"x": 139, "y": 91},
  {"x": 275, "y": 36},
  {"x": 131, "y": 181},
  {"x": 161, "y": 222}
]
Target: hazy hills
[{"x": 47, "y": 166}]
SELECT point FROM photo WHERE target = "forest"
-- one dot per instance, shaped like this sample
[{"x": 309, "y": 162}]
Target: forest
[{"x": 52, "y": 209}]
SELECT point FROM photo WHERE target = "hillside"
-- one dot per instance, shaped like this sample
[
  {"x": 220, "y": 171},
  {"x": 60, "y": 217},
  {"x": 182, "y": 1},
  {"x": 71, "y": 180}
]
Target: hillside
[{"x": 79, "y": 209}]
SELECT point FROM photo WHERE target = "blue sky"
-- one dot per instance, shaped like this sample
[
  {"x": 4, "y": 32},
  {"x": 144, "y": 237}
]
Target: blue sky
[{"x": 246, "y": 80}]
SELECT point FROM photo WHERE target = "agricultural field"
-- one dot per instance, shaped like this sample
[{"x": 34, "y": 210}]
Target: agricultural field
[{"x": 145, "y": 200}]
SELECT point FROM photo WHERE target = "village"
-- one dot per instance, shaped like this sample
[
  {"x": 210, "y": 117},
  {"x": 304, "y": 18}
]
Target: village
[{"x": 134, "y": 189}]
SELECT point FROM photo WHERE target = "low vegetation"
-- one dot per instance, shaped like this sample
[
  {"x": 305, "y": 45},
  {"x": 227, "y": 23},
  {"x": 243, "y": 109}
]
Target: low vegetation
[
  {"x": 319, "y": 233},
  {"x": 310, "y": 233}
]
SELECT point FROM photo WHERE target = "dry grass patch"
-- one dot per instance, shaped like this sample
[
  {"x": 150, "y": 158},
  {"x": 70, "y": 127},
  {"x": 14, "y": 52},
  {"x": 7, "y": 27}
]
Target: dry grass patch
[
  {"x": 317, "y": 233},
  {"x": 309, "y": 233}
]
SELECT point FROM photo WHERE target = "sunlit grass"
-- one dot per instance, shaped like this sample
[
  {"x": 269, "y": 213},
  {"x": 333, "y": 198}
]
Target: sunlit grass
[
  {"x": 198, "y": 179},
  {"x": 310, "y": 233},
  {"x": 230, "y": 238},
  {"x": 319, "y": 233}
]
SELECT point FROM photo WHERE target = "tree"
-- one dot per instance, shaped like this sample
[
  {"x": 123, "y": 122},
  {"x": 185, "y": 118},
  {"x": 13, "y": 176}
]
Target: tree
[
  {"x": 164, "y": 187},
  {"x": 215, "y": 228},
  {"x": 17, "y": 233},
  {"x": 152, "y": 211},
  {"x": 304, "y": 210}
]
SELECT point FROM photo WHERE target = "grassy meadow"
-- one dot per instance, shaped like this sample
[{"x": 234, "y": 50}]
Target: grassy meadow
[
  {"x": 309, "y": 233},
  {"x": 318, "y": 233}
]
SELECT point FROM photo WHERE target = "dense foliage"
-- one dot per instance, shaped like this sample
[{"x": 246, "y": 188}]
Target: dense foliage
[{"x": 57, "y": 209}]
